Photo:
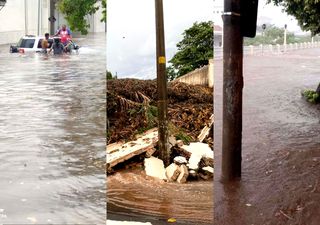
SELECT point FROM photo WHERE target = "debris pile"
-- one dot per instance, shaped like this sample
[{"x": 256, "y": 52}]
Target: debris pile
[
  {"x": 132, "y": 109},
  {"x": 132, "y": 132}
]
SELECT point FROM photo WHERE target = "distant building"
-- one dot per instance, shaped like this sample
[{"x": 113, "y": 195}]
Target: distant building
[
  {"x": 21, "y": 17},
  {"x": 218, "y": 23}
]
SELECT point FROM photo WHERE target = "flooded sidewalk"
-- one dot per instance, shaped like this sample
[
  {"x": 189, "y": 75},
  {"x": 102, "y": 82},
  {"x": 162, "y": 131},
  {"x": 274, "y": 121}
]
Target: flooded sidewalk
[
  {"x": 52, "y": 142},
  {"x": 281, "y": 143}
]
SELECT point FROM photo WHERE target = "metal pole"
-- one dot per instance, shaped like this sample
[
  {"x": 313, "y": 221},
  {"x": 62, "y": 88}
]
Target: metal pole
[
  {"x": 162, "y": 85},
  {"x": 52, "y": 9},
  {"x": 26, "y": 17},
  {"x": 285, "y": 38},
  {"x": 232, "y": 91},
  {"x": 38, "y": 18}
]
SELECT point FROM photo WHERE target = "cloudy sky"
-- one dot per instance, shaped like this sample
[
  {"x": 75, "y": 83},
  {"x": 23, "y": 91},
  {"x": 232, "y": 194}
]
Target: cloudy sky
[{"x": 131, "y": 30}]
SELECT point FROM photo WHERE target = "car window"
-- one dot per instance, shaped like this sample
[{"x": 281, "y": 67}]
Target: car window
[{"x": 26, "y": 43}]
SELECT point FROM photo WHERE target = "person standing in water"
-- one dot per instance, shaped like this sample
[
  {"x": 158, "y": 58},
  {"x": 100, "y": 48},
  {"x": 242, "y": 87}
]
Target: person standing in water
[
  {"x": 45, "y": 43},
  {"x": 57, "y": 47}
]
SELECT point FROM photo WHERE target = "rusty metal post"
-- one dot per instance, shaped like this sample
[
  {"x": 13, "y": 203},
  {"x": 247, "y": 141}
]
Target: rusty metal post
[
  {"x": 162, "y": 85},
  {"x": 232, "y": 91},
  {"x": 51, "y": 15}
]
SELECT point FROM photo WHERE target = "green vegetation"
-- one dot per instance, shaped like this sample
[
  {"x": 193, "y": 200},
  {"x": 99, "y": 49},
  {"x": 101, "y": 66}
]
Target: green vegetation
[
  {"x": 76, "y": 11},
  {"x": 311, "y": 96},
  {"x": 275, "y": 35},
  {"x": 306, "y": 12},
  {"x": 104, "y": 11},
  {"x": 109, "y": 76},
  {"x": 194, "y": 50},
  {"x": 179, "y": 133}
]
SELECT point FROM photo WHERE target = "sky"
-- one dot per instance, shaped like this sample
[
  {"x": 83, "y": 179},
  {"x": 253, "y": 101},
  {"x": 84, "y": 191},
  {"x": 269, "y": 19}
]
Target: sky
[
  {"x": 267, "y": 13},
  {"x": 131, "y": 30}
]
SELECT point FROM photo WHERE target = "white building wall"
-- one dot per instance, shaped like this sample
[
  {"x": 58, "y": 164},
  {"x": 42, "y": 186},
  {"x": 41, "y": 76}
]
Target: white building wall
[
  {"x": 18, "y": 19},
  {"x": 14, "y": 19}
]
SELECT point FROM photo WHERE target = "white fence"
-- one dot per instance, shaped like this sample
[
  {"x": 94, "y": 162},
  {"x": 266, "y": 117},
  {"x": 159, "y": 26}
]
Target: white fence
[{"x": 269, "y": 49}]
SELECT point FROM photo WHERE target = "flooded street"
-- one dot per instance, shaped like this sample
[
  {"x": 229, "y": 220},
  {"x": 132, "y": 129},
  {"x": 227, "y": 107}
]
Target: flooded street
[
  {"x": 281, "y": 143},
  {"x": 52, "y": 136},
  {"x": 135, "y": 195}
]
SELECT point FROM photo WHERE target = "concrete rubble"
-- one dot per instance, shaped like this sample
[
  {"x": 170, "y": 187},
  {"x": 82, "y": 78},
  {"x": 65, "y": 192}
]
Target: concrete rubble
[
  {"x": 184, "y": 173},
  {"x": 154, "y": 167},
  {"x": 172, "y": 172},
  {"x": 194, "y": 160}
]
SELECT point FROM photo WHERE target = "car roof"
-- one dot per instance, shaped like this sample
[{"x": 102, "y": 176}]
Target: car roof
[{"x": 35, "y": 37}]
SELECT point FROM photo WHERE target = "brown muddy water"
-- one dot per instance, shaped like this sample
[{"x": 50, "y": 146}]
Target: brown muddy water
[
  {"x": 52, "y": 136},
  {"x": 280, "y": 182},
  {"x": 135, "y": 196}
]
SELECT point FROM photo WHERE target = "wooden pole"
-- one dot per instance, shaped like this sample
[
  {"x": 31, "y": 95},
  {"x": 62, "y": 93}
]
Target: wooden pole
[
  {"x": 162, "y": 85},
  {"x": 232, "y": 91}
]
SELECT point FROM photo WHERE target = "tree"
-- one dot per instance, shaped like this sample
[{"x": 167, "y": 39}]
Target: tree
[
  {"x": 271, "y": 35},
  {"x": 104, "y": 11},
  {"x": 75, "y": 12},
  {"x": 194, "y": 51},
  {"x": 109, "y": 76},
  {"x": 307, "y": 13}
]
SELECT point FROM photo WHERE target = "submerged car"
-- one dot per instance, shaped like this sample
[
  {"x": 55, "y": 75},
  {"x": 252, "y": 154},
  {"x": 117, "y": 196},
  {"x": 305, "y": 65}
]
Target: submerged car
[{"x": 31, "y": 43}]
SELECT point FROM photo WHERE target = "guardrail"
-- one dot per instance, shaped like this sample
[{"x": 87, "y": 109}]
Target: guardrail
[{"x": 269, "y": 49}]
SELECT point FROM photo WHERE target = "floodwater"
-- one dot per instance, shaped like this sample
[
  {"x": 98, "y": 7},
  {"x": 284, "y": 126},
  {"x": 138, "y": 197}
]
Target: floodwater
[
  {"x": 281, "y": 144},
  {"x": 52, "y": 136},
  {"x": 131, "y": 195}
]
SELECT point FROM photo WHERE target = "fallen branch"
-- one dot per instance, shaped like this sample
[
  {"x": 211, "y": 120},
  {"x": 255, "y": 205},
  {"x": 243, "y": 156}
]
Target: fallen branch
[
  {"x": 205, "y": 131},
  {"x": 290, "y": 218}
]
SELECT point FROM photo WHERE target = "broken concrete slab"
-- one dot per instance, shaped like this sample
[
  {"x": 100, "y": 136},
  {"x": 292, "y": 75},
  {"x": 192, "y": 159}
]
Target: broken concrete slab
[
  {"x": 120, "y": 152},
  {"x": 208, "y": 169},
  {"x": 180, "y": 160},
  {"x": 154, "y": 167},
  {"x": 184, "y": 173},
  {"x": 194, "y": 160},
  {"x": 199, "y": 148},
  {"x": 172, "y": 172}
]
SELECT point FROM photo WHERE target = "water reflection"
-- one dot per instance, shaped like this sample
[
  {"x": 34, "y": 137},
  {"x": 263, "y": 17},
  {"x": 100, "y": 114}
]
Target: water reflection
[{"x": 52, "y": 142}]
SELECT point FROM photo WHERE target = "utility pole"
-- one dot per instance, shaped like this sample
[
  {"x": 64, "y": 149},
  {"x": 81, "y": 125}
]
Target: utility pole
[
  {"x": 39, "y": 18},
  {"x": 162, "y": 85},
  {"x": 285, "y": 38},
  {"x": 26, "y": 17},
  {"x": 232, "y": 91}
]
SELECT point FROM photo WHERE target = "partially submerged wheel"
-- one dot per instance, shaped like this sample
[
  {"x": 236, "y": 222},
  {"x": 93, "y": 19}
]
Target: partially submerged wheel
[{"x": 13, "y": 49}]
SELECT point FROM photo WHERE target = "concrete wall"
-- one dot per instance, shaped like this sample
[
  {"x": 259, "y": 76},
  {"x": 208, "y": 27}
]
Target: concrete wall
[
  {"x": 202, "y": 76},
  {"x": 20, "y": 17}
]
